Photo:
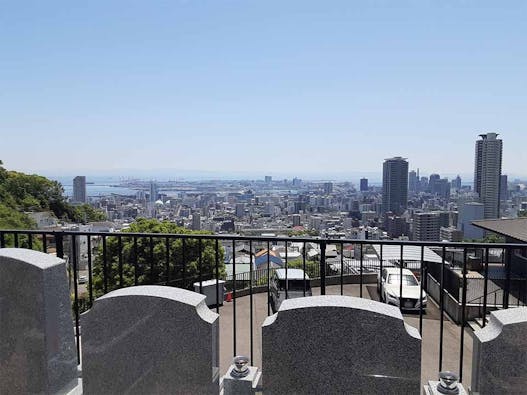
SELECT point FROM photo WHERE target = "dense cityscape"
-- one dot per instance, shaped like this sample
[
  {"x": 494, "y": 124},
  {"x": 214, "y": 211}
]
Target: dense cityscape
[{"x": 407, "y": 206}]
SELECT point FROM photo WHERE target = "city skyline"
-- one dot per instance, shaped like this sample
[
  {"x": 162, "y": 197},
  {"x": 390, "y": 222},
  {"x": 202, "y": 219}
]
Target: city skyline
[{"x": 202, "y": 86}]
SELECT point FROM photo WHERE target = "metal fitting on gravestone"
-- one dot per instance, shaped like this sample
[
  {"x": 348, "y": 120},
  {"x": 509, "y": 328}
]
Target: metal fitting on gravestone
[
  {"x": 448, "y": 383},
  {"x": 241, "y": 367}
]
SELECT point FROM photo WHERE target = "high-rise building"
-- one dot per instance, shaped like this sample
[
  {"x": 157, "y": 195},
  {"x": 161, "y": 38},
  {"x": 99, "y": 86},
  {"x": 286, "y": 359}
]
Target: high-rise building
[
  {"x": 395, "y": 185},
  {"x": 79, "y": 189},
  {"x": 412, "y": 181},
  {"x": 487, "y": 172},
  {"x": 296, "y": 220},
  {"x": 328, "y": 188},
  {"x": 240, "y": 210},
  {"x": 471, "y": 211},
  {"x": 456, "y": 183},
  {"x": 364, "y": 185},
  {"x": 268, "y": 179},
  {"x": 196, "y": 221},
  {"x": 426, "y": 227},
  {"x": 153, "y": 192},
  {"x": 423, "y": 184},
  {"x": 504, "y": 188},
  {"x": 434, "y": 179},
  {"x": 442, "y": 188}
]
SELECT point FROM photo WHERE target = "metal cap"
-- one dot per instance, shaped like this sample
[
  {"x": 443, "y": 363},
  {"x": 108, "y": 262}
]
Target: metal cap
[
  {"x": 241, "y": 366},
  {"x": 448, "y": 383}
]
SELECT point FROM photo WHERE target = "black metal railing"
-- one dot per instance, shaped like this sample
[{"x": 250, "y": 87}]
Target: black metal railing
[{"x": 116, "y": 260}]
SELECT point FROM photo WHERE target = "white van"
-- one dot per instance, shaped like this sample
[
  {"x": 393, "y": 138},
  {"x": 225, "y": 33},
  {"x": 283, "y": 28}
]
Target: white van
[{"x": 280, "y": 289}]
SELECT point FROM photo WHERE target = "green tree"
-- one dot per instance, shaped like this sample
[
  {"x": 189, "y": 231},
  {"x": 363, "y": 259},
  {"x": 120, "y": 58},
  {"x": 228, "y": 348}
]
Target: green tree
[
  {"x": 86, "y": 213},
  {"x": 312, "y": 267},
  {"x": 305, "y": 232},
  {"x": 493, "y": 238},
  {"x": 522, "y": 213},
  {"x": 181, "y": 273},
  {"x": 20, "y": 193}
]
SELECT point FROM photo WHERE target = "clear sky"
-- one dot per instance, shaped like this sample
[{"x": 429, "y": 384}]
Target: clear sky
[{"x": 289, "y": 86}]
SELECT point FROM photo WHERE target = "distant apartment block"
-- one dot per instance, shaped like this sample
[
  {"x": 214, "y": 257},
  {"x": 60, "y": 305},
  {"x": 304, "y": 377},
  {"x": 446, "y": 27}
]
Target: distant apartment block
[
  {"x": 79, "y": 189},
  {"x": 426, "y": 227},
  {"x": 240, "y": 210},
  {"x": 395, "y": 226},
  {"x": 468, "y": 212},
  {"x": 296, "y": 220},
  {"x": 451, "y": 234},
  {"x": 328, "y": 188}
]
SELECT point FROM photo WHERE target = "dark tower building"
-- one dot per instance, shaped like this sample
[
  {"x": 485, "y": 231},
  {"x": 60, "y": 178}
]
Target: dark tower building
[
  {"x": 363, "y": 184},
  {"x": 395, "y": 185}
]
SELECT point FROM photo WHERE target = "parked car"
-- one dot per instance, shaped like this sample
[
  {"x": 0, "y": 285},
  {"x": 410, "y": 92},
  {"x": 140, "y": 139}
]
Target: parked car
[
  {"x": 280, "y": 289},
  {"x": 83, "y": 279},
  {"x": 389, "y": 286}
]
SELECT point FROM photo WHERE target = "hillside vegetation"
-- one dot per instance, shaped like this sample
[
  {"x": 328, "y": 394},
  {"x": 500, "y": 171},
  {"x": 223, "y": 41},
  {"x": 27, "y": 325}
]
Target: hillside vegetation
[{"x": 21, "y": 193}]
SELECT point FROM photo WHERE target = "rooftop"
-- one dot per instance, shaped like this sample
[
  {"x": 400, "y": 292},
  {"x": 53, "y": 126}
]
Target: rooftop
[{"x": 514, "y": 228}]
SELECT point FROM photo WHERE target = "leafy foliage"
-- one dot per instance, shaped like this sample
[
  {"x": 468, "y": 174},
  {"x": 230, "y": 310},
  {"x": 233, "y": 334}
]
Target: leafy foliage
[
  {"x": 312, "y": 267},
  {"x": 20, "y": 192},
  {"x": 306, "y": 232},
  {"x": 151, "y": 258}
]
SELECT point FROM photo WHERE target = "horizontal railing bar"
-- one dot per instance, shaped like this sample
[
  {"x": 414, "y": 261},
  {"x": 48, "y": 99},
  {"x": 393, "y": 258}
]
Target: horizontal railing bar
[{"x": 270, "y": 239}]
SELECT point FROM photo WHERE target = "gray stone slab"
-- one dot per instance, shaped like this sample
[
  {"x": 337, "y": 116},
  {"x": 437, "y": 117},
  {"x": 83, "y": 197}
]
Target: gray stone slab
[
  {"x": 37, "y": 344},
  {"x": 499, "y": 359},
  {"x": 150, "y": 340},
  {"x": 339, "y": 344}
]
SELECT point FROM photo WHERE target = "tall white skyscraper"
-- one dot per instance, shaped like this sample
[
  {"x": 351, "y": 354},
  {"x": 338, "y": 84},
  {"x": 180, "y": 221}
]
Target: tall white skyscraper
[
  {"x": 487, "y": 173},
  {"x": 79, "y": 189}
]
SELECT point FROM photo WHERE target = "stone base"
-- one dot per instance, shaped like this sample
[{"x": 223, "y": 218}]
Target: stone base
[
  {"x": 431, "y": 389},
  {"x": 77, "y": 390},
  {"x": 241, "y": 386}
]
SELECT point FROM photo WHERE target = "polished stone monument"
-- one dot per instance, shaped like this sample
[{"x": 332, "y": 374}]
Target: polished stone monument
[
  {"x": 150, "y": 340},
  {"x": 499, "y": 357},
  {"x": 339, "y": 344},
  {"x": 37, "y": 343}
]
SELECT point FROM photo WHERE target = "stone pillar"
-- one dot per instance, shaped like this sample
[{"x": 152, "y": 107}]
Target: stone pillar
[
  {"x": 241, "y": 379},
  {"x": 448, "y": 384},
  {"x": 499, "y": 356},
  {"x": 339, "y": 344},
  {"x": 150, "y": 340},
  {"x": 37, "y": 343}
]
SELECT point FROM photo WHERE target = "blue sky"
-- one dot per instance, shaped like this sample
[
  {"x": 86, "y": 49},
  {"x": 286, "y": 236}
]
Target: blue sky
[{"x": 279, "y": 87}]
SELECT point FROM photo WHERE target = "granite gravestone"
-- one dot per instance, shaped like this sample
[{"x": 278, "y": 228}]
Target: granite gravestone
[
  {"x": 37, "y": 343},
  {"x": 499, "y": 357},
  {"x": 150, "y": 340},
  {"x": 339, "y": 344}
]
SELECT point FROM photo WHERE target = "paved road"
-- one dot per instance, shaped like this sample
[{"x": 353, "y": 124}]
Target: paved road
[{"x": 430, "y": 342}]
